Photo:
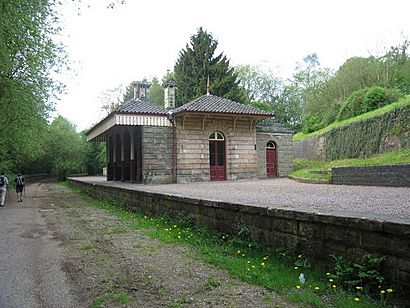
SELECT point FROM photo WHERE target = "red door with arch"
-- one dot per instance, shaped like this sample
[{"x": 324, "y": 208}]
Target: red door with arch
[
  {"x": 217, "y": 159},
  {"x": 271, "y": 160}
]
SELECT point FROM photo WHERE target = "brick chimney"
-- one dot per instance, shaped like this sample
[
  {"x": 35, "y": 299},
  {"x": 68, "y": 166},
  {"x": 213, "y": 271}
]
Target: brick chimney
[
  {"x": 169, "y": 94},
  {"x": 141, "y": 89}
]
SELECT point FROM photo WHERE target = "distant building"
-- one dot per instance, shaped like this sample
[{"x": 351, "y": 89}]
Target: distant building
[{"x": 208, "y": 139}]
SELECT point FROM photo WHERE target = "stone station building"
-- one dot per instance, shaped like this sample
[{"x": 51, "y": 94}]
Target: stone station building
[{"x": 209, "y": 138}]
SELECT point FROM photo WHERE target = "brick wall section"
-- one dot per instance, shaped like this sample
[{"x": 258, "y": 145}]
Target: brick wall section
[
  {"x": 315, "y": 235},
  {"x": 157, "y": 154},
  {"x": 193, "y": 147},
  {"x": 392, "y": 175}
]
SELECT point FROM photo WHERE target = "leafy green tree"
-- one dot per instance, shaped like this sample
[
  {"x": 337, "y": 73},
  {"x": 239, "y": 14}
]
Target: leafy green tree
[
  {"x": 65, "y": 148},
  {"x": 157, "y": 93},
  {"x": 198, "y": 61},
  {"x": 27, "y": 56},
  {"x": 269, "y": 92},
  {"x": 128, "y": 94},
  {"x": 309, "y": 80},
  {"x": 95, "y": 155}
]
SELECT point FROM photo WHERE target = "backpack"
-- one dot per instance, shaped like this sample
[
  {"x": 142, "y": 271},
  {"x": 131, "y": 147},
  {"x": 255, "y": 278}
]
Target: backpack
[
  {"x": 19, "y": 181},
  {"x": 2, "y": 181}
]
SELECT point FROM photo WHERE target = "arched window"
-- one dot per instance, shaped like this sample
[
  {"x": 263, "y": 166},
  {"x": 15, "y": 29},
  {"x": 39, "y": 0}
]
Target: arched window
[
  {"x": 217, "y": 136},
  {"x": 271, "y": 145}
]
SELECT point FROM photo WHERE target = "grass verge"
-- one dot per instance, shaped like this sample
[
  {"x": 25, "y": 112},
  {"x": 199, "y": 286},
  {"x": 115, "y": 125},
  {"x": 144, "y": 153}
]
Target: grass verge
[
  {"x": 321, "y": 170},
  {"x": 277, "y": 269},
  {"x": 403, "y": 102}
]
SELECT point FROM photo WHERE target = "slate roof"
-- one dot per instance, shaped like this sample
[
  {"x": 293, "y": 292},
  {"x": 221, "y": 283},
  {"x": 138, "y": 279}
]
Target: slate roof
[
  {"x": 140, "y": 106},
  {"x": 271, "y": 125},
  {"x": 216, "y": 104}
]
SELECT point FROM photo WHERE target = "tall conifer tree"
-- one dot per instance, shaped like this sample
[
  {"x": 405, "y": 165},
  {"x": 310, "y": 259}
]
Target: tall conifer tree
[{"x": 198, "y": 61}]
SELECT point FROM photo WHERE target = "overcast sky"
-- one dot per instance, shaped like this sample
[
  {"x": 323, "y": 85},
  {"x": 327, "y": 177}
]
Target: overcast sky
[{"x": 138, "y": 39}]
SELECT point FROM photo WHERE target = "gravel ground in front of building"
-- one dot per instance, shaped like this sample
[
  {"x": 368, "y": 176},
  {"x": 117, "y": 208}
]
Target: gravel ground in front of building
[{"x": 373, "y": 202}]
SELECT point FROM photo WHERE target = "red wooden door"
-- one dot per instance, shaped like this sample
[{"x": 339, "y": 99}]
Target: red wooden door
[
  {"x": 217, "y": 160},
  {"x": 271, "y": 166}
]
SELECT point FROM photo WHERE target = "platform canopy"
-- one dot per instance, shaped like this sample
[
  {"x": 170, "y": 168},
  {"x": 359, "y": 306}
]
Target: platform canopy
[{"x": 135, "y": 112}]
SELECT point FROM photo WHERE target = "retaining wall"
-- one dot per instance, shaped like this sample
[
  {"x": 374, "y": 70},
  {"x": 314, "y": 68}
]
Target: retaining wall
[
  {"x": 315, "y": 235},
  {"x": 384, "y": 133},
  {"x": 391, "y": 175}
]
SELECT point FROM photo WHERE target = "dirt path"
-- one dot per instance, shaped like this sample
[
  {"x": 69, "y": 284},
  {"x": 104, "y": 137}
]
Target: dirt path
[
  {"x": 68, "y": 254},
  {"x": 30, "y": 260}
]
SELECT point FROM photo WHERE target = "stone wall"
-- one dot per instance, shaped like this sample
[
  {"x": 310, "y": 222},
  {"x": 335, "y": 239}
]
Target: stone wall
[
  {"x": 392, "y": 175},
  {"x": 313, "y": 234},
  {"x": 157, "y": 154},
  {"x": 193, "y": 147},
  {"x": 384, "y": 133},
  {"x": 271, "y": 130},
  {"x": 310, "y": 148}
]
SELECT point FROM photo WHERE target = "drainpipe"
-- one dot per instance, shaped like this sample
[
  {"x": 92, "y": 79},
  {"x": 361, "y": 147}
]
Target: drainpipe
[{"x": 174, "y": 147}]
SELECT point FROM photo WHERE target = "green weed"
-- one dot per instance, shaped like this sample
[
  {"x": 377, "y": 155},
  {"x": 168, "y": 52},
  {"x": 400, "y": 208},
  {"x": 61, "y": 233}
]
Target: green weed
[
  {"x": 276, "y": 268},
  {"x": 99, "y": 301},
  {"x": 122, "y": 298}
]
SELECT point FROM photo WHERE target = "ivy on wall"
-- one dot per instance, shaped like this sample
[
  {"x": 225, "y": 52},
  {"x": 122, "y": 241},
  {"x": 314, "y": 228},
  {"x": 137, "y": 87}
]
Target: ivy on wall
[{"x": 365, "y": 138}]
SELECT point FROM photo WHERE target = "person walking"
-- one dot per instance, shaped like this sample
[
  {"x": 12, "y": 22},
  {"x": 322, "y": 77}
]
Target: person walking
[
  {"x": 3, "y": 187},
  {"x": 19, "y": 184}
]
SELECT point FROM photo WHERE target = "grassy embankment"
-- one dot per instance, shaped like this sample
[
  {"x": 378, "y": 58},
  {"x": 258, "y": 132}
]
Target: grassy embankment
[
  {"x": 277, "y": 269},
  {"x": 321, "y": 170},
  {"x": 404, "y": 101}
]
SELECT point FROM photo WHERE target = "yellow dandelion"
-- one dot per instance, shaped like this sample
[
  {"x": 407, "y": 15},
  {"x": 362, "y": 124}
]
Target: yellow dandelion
[
  {"x": 331, "y": 280},
  {"x": 175, "y": 226},
  {"x": 248, "y": 262},
  {"x": 243, "y": 255},
  {"x": 263, "y": 263},
  {"x": 317, "y": 288},
  {"x": 359, "y": 288},
  {"x": 253, "y": 266},
  {"x": 382, "y": 291},
  {"x": 389, "y": 290},
  {"x": 327, "y": 274},
  {"x": 356, "y": 299},
  {"x": 334, "y": 286},
  {"x": 179, "y": 236},
  {"x": 296, "y": 267},
  {"x": 249, "y": 245},
  {"x": 239, "y": 251},
  {"x": 297, "y": 287},
  {"x": 299, "y": 256}
]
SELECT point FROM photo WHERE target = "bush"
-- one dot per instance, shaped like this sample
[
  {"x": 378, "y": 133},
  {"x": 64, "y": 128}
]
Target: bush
[
  {"x": 377, "y": 97},
  {"x": 366, "y": 100},
  {"x": 352, "y": 105},
  {"x": 311, "y": 123}
]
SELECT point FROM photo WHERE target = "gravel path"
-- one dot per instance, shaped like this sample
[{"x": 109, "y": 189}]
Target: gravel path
[
  {"x": 386, "y": 203},
  {"x": 30, "y": 259}
]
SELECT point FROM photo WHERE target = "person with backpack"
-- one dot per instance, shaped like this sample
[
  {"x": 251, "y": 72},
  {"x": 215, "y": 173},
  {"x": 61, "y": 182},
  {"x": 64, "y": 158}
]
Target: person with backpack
[
  {"x": 3, "y": 187},
  {"x": 19, "y": 184}
]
